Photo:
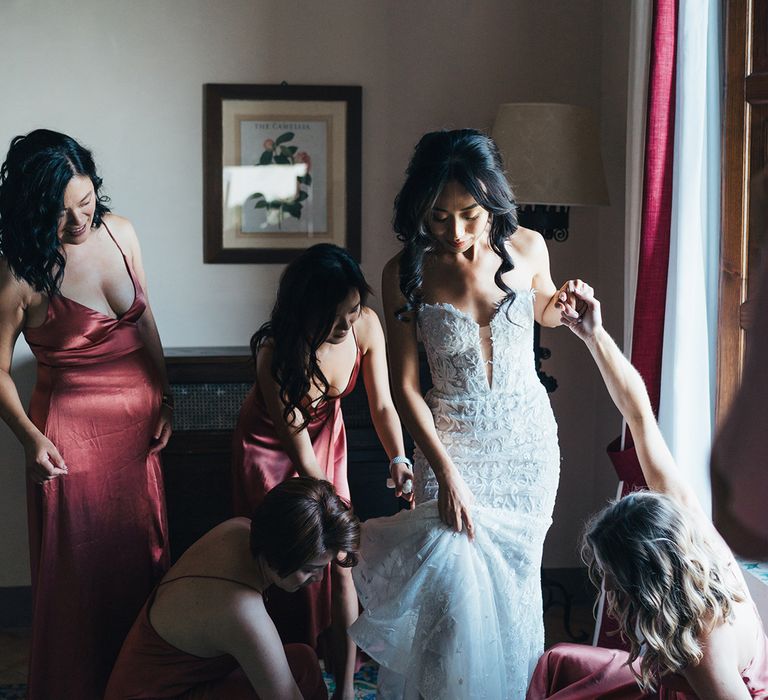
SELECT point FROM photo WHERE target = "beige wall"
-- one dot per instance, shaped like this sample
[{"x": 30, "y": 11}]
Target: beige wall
[{"x": 125, "y": 77}]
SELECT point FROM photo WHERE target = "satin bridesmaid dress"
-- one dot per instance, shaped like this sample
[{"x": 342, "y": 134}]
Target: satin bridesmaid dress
[
  {"x": 150, "y": 668},
  {"x": 579, "y": 672},
  {"x": 259, "y": 463},
  {"x": 98, "y": 536}
]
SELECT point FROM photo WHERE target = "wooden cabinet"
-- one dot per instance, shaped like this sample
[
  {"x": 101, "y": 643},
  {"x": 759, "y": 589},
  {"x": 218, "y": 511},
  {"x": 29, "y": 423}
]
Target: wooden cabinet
[{"x": 209, "y": 385}]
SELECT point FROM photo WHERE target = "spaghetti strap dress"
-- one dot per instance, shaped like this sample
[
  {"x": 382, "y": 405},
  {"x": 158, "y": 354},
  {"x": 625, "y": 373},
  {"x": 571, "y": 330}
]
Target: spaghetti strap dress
[
  {"x": 98, "y": 535},
  {"x": 150, "y": 668},
  {"x": 579, "y": 672},
  {"x": 259, "y": 463}
]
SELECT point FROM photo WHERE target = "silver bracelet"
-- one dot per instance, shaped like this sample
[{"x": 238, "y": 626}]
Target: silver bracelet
[{"x": 400, "y": 459}]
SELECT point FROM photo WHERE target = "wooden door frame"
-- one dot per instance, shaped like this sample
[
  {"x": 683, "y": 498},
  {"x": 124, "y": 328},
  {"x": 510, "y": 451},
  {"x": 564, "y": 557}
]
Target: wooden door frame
[{"x": 735, "y": 201}]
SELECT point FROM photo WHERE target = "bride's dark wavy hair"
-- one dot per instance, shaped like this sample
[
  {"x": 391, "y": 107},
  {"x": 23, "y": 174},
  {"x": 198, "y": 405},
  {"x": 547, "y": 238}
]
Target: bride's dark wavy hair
[
  {"x": 33, "y": 178},
  {"x": 472, "y": 159},
  {"x": 310, "y": 291}
]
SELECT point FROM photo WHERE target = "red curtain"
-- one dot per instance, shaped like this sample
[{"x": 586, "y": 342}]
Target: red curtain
[{"x": 651, "y": 294}]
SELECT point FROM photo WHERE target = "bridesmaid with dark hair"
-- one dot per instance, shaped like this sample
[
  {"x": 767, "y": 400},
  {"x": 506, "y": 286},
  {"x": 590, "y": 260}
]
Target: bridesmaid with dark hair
[
  {"x": 308, "y": 355},
  {"x": 204, "y": 632},
  {"x": 72, "y": 281}
]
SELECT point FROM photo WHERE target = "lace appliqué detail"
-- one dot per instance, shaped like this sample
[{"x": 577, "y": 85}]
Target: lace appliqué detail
[{"x": 447, "y": 618}]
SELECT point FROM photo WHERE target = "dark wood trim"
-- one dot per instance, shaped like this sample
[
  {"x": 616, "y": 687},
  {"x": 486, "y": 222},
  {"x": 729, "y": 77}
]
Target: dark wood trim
[
  {"x": 757, "y": 89},
  {"x": 212, "y": 165},
  {"x": 15, "y": 606},
  {"x": 199, "y": 441},
  {"x": 213, "y": 97},
  {"x": 735, "y": 149},
  {"x": 354, "y": 172},
  {"x": 209, "y": 365}
]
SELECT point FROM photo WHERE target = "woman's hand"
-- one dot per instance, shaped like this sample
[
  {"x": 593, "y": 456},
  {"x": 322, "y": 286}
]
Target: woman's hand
[
  {"x": 581, "y": 312},
  {"x": 568, "y": 302},
  {"x": 43, "y": 460},
  {"x": 401, "y": 473},
  {"x": 453, "y": 502},
  {"x": 163, "y": 429}
]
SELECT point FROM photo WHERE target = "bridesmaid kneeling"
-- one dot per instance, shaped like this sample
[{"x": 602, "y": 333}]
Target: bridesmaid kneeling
[
  {"x": 672, "y": 584},
  {"x": 204, "y": 632}
]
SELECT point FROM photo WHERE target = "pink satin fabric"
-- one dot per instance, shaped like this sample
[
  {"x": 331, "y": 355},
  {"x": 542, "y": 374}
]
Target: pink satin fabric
[
  {"x": 259, "y": 463},
  {"x": 98, "y": 535},
  {"x": 580, "y": 672},
  {"x": 149, "y": 668}
]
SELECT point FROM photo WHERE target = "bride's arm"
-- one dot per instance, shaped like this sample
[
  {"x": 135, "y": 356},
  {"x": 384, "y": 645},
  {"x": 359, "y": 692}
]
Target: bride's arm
[
  {"x": 531, "y": 248},
  {"x": 454, "y": 497}
]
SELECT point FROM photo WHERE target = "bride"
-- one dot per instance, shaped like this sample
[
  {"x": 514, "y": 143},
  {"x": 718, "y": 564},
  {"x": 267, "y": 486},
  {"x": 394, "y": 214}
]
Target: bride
[{"x": 448, "y": 615}]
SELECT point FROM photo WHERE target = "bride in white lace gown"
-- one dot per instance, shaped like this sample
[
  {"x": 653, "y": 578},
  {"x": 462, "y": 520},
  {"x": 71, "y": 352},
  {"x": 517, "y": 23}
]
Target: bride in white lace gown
[{"x": 451, "y": 590}]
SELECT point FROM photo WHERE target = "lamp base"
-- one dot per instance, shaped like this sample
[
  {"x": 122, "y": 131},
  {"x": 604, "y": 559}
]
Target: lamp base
[{"x": 548, "y": 219}]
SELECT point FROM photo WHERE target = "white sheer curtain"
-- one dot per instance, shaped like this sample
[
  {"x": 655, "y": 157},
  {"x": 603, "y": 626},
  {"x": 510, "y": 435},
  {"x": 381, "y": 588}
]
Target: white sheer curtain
[
  {"x": 637, "y": 109},
  {"x": 686, "y": 410}
]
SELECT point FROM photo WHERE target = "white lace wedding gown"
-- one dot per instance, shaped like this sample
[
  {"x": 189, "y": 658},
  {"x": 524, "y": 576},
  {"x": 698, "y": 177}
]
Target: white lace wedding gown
[{"x": 447, "y": 618}]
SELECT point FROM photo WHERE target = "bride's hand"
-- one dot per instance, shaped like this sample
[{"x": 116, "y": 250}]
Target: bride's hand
[
  {"x": 453, "y": 502},
  {"x": 401, "y": 479},
  {"x": 588, "y": 320}
]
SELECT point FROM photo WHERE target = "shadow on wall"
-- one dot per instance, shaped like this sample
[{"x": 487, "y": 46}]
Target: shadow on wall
[{"x": 14, "y": 553}]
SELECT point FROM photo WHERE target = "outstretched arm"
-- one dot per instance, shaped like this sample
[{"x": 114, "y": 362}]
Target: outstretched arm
[{"x": 628, "y": 392}]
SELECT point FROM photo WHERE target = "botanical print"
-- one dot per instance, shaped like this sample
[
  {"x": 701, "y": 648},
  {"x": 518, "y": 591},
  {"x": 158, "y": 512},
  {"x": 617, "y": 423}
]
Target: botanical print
[{"x": 286, "y": 163}]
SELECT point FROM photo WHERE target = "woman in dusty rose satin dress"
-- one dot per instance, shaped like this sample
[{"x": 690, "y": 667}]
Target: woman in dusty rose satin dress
[
  {"x": 308, "y": 355},
  {"x": 204, "y": 633},
  {"x": 672, "y": 584},
  {"x": 71, "y": 280}
]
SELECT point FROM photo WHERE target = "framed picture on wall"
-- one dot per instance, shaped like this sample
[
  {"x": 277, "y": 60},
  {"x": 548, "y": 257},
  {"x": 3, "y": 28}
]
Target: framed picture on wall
[{"x": 281, "y": 170}]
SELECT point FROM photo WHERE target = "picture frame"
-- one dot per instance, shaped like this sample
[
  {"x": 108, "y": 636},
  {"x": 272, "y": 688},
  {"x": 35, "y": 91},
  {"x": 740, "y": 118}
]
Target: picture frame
[{"x": 281, "y": 170}]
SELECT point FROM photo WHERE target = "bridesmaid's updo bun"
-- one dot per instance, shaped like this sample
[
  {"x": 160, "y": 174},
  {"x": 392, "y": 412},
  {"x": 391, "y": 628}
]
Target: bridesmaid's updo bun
[{"x": 301, "y": 519}]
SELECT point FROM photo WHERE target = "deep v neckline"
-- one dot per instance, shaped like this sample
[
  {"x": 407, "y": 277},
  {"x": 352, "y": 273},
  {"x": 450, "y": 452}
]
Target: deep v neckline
[
  {"x": 320, "y": 400},
  {"x": 497, "y": 312},
  {"x": 469, "y": 317},
  {"x": 96, "y": 312},
  {"x": 465, "y": 314}
]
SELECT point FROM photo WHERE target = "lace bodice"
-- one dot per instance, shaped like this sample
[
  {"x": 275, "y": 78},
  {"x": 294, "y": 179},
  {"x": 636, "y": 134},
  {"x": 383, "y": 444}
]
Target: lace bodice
[
  {"x": 446, "y": 618},
  {"x": 502, "y": 436},
  {"x": 453, "y": 343}
]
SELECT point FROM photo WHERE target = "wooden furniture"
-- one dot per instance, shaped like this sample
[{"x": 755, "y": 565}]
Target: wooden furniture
[
  {"x": 209, "y": 385},
  {"x": 745, "y": 185}
]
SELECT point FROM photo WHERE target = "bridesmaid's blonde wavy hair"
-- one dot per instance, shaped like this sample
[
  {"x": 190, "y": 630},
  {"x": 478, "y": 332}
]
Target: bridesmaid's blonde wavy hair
[{"x": 666, "y": 585}]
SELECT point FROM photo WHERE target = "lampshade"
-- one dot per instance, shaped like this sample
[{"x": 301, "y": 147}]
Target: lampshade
[{"x": 551, "y": 153}]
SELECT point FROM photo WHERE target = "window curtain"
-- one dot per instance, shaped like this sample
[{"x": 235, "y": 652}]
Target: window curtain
[
  {"x": 674, "y": 326},
  {"x": 689, "y": 362},
  {"x": 653, "y": 245}
]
